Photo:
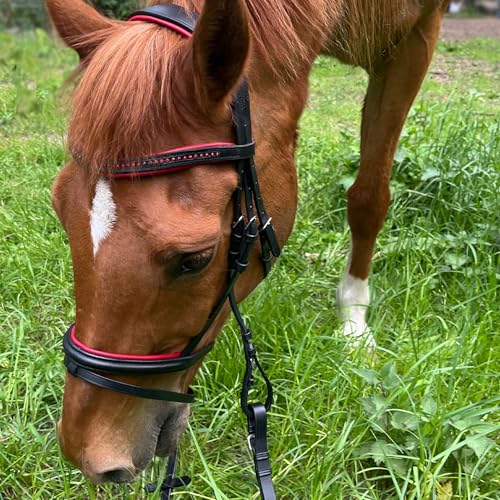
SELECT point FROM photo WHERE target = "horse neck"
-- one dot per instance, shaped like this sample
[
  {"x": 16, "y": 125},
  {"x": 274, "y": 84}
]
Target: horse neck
[{"x": 287, "y": 34}]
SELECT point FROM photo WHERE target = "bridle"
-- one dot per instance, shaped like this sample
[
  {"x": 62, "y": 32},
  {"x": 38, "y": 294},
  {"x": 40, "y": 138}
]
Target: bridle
[{"x": 250, "y": 222}]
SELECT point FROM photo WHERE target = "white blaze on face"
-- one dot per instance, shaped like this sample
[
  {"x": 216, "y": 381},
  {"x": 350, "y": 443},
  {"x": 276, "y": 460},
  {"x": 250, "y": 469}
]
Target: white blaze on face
[
  {"x": 353, "y": 299},
  {"x": 102, "y": 215}
]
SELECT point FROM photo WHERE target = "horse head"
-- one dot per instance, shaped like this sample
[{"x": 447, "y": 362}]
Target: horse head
[{"x": 150, "y": 253}]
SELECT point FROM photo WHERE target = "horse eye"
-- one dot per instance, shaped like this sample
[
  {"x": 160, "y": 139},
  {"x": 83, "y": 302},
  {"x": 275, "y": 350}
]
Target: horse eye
[{"x": 192, "y": 263}]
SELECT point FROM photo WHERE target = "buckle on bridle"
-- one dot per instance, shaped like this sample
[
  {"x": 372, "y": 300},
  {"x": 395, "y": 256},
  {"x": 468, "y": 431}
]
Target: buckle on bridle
[
  {"x": 251, "y": 225},
  {"x": 268, "y": 235},
  {"x": 238, "y": 221},
  {"x": 267, "y": 224},
  {"x": 251, "y": 442}
]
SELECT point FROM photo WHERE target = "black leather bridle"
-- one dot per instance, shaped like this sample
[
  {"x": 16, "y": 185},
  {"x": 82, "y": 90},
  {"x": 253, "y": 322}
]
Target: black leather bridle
[{"x": 250, "y": 222}]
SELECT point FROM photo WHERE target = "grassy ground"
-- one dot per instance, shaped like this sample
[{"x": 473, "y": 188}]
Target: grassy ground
[{"x": 417, "y": 422}]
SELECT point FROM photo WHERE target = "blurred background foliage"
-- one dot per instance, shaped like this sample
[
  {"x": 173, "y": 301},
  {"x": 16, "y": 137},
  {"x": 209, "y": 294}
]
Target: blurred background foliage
[{"x": 27, "y": 14}]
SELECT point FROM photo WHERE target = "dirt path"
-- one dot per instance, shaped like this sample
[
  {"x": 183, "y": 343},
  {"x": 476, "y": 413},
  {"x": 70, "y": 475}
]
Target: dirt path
[
  {"x": 456, "y": 30},
  {"x": 446, "y": 67}
]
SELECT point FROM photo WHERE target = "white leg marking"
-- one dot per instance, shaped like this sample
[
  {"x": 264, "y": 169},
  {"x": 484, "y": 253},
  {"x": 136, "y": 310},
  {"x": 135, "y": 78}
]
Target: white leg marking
[
  {"x": 353, "y": 299},
  {"x": 102, "y": 215}
]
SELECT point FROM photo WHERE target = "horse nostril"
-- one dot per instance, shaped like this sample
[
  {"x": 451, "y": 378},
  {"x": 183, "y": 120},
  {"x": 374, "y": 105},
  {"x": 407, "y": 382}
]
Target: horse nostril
[{"x": 116, "y": 476}]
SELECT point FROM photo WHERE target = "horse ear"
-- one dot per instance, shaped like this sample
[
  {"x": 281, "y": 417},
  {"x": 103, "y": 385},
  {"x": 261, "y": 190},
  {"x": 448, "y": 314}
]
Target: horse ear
[
  {"x": 220, "y": 47},
  {"x": 73, "y": 19}
]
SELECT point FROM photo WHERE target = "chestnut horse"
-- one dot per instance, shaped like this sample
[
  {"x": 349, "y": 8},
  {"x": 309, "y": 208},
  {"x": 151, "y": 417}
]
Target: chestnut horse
[{"x": 150, "y": 256}]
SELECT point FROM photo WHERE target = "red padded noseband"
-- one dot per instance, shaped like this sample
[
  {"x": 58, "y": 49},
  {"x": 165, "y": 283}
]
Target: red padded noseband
[{"x": 132, "y": 357}]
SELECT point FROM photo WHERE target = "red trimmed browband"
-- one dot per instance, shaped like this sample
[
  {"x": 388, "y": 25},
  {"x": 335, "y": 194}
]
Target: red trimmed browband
[
  {"x": 130, "y": 357},
  {"x": 179, "y": 159}
]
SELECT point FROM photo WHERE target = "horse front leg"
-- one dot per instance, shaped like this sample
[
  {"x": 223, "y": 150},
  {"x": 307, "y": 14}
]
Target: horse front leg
[{"x": 392, "y": 88}]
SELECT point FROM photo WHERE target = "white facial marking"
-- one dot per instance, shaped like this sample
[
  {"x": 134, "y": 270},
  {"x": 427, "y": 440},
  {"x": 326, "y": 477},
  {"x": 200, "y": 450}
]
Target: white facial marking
[
  {"x": 353, "y": 299},
  {"x": 102, "y": 215}
]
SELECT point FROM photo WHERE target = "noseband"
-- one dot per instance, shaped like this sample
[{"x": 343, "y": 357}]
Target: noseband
[{"x": 250, "y": 223}]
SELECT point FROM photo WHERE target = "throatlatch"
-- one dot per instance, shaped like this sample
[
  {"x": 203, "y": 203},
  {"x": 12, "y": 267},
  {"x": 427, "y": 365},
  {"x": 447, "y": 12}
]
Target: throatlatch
[{"x": 250, "y": 223}]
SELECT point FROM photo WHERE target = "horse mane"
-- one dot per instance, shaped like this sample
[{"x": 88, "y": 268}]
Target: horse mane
[
  {"x": 126, "y": 93},
  {"x": 125, "y": 96}
]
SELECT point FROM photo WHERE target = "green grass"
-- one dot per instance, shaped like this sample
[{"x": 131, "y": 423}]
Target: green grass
[{"x": 420, "y": 421}]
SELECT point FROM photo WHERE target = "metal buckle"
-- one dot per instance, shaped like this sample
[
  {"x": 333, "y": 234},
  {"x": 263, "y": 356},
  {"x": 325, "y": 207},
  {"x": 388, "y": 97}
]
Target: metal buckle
[
  {"x": 239, "y": 221},
  {"x": 250, "y": 224},
  {"x": 267, "y": 224},
  {"x": 250, "y": 441}
]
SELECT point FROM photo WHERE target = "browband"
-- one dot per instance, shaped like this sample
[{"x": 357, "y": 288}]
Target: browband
[{"x": 179, "y": 159}]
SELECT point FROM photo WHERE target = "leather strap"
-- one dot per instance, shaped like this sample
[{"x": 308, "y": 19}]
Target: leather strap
[
  {"x": 107, "y": 364},
  {"x": 170, "y": 13},
  {"x": 243, "y": 126},
  {"x": 256, "y": 413},
  {"x": 245, "y": 242},
  {"x": 175, "y": 161},
  {"x": 171, "y": 482},
  {"x": 124, "y": 388},
  {"x": 257, "y": 439}
]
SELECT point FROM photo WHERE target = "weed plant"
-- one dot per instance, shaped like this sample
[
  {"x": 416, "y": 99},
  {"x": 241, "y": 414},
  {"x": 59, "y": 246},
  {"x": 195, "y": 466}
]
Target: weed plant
[{"x": 418, "y": 420}]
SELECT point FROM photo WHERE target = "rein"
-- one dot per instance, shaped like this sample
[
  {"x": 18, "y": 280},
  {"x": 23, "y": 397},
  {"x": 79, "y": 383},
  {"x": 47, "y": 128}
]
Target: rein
[{"x": 250, "y": 223}]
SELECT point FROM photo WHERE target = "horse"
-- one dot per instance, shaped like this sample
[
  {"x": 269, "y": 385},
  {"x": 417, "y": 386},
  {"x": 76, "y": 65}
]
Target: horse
[{"x": 150, "y": 253}]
